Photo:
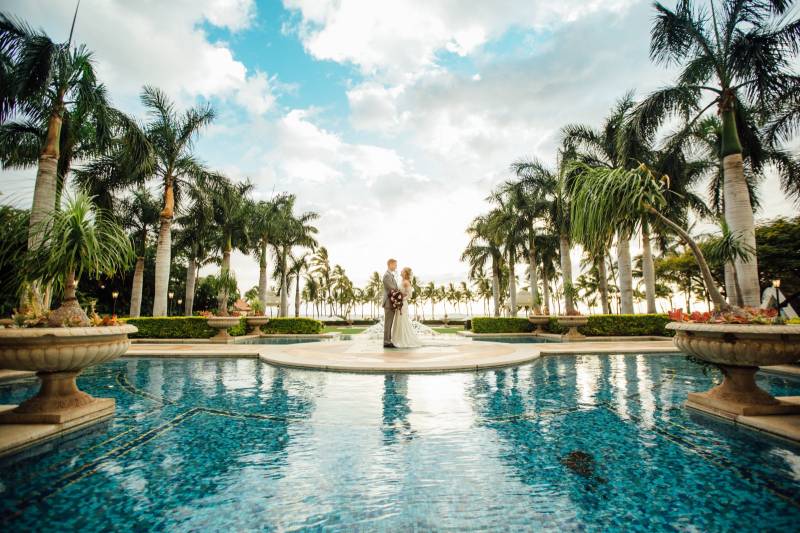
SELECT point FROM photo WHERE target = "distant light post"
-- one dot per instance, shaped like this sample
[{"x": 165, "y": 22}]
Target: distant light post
[
  {"x": 114, "y": 296},
  {"x": 180, "y": 303},
  {"x": 776, "y": 284},
  {"x": 171, "y": 296}
]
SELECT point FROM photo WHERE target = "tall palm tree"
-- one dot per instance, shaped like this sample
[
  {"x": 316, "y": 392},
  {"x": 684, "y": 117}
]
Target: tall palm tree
[
  {"x": 197, "y": 237},
  {"x": 552, "y": 186},
  {"x": 262, "y": 225},
  {"x": 512, "y": 231},
  {"x": 484, "y": 247},
  {"x": 43, "y": 80},
  {"x": 172, "y": 135},
  {"x": 232, "y": 211},
  {"x": 321, "y": 266},
  {"x": 139, "y": 214},
  {"x": 298, "y": 264},
  {"x": 292, "y": 230},
  {"x": 733, "y": 53}
]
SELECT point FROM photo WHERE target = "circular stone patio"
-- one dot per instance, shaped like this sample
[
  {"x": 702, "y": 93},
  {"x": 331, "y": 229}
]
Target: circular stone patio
[{"x": 436, "y": 355}]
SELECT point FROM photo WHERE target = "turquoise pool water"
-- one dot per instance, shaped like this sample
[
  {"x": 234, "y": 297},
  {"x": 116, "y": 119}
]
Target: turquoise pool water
[{"x": 587, "y": 443}]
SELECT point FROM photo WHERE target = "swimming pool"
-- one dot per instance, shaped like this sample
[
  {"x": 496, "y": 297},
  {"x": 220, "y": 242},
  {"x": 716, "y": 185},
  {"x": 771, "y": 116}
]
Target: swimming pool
[{"x": 564, "y": 443}]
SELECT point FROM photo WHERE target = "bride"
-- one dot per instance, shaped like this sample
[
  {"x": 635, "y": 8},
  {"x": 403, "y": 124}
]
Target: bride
[{"x": 403, "y": 335}]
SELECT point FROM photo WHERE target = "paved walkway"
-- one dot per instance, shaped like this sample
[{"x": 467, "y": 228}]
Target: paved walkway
[{"x": 438, "y": 355}]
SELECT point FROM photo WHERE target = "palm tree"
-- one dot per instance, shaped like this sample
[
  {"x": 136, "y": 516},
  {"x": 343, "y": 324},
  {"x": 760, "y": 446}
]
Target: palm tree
[
  {"x": 263, "y": 224},
  {"x": 42, "y": 81},
  {"x": 484, "y": 247},
  {"x": 322, "y": 267},
  {"x": 232, "y": 212},
  {"x": 197, "y": 237},
  {"x": 297, "y": 265},
  {"x": 724, "y": 248},
  {"x": 555, "y": 205},
  {"x": 511, "y": 229},
  {"x": 623, "y": 197},
  {"x": 733, "y": 53},
  {"x": 172, "y": 135},
  {"x": 430, "y": 294},
  {"x": 139, "y": 213},
  {"x": 74, "y": 241},
  {"x": 291, "y": 231}
]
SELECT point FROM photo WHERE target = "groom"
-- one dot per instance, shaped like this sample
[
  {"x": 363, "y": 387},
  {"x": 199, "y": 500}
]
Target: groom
[{"x": 389, "y": 285}]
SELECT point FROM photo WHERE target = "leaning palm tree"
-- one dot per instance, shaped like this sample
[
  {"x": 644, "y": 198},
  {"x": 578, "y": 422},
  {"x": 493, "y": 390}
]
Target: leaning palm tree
[
  {"x": 298, "y": 264},
  {"x": 196, "y": 238},
  {"x": 623, "y": 197},
  {"x": 512, "y": 230},
  {"x": 76, "y": 240},
  {"x": 172, "y": 135},
  {"x": 139, "y": 214},
  {"x": 734, "y": 53}
]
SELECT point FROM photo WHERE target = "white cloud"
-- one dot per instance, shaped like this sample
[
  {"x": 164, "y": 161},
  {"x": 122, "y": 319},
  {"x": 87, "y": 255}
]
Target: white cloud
[
  {"x": 398, "y": 39},
  {"x": 159, "y": 43}
]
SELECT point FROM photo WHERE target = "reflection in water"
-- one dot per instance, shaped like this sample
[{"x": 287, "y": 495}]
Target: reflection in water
[{"x": 396, "y": 409}]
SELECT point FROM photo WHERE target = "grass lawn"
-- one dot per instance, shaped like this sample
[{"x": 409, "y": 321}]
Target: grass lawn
[
  {"x": 450, "y": 330},
  {"x": 344, "y": 330}
]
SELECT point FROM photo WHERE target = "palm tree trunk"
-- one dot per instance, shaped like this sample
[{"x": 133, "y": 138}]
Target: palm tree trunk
[
  {"x": 512, "y": 284},
  {"x": 297, "y": 295},
  {"x": 136, "y": 289},
  {"x": 496, "y": 288},
  {"x": 284, "y": 289},
  {"x": 730, "y": 283},
  {"x": 739, "y": 215},
  {"x": 566, "y": 272},
  {"x": 225, "y": 270},
  {"x": 44, "y": 190},
  {"x": 625, "y": 275},
  {"x": 163, "y": 260},
  {"x": 546, "y": 292},
  {"x": 738, "y": 210},
  {"x": 602, "y": 283},
  {"x": 188, "y": 298},
  {"x": 648, "y": 272},
  {"x": 534, "y": 281},
  {"x": 719, "y": 302},
  {"x": 262, "y": 276}
]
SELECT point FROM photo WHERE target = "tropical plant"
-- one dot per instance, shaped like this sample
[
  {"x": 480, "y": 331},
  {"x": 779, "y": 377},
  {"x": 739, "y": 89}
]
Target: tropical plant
[
  {"x": 733, "y": 53},
  {"x": 622, "y": 197},
  {"x": 484, "y": 247},
  {"x": 76, "y": 240},
  {"x": 293, "y": 230},
  {"x": 139, "y": 214}
]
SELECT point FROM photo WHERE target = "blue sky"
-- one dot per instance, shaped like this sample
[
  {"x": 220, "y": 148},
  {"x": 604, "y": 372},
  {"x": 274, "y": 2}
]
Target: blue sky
[{"x": 391, "y": 119}]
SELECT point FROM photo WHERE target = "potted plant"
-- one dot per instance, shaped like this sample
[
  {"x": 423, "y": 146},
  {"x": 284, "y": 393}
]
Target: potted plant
[
  {"x": 736, "y": 340},
  {"x": 539, "y": 321},
  {"x": 77, "y": 240},
  {"x": 257, "y": 319},
  {"x": 572, "y": 320}
]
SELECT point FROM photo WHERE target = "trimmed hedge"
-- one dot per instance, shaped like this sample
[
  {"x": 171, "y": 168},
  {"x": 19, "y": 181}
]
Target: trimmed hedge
[
  {"x": 293, "y": 326},
  {"x": 485, "y": 324},
  {"x": 179, "y": 327},
  {"x": 597, "y": 326},
  {"x": 173, "y": 327}
]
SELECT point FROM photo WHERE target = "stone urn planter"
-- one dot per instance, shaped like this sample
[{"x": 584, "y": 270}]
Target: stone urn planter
[
  {"x": 255, "y": 323},
  {"x": 221, "y": 324},
  {"x": 573, "y": 323},
  {"x": 539, "y": 321},
  {"x": 58, "y": 355},
  {"x": 738, "y": 350}
]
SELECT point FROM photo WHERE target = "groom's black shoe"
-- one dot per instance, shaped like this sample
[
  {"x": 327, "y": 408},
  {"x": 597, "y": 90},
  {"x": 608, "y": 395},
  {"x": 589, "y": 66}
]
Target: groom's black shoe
[{"x": 390, "y": 345}]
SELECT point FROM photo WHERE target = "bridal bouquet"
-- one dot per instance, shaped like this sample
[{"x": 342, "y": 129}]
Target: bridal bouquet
[{"x": 396, "y": 299}]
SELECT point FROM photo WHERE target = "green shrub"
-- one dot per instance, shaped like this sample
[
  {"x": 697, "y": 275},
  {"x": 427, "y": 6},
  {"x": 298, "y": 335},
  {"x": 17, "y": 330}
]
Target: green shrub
[
  {"x": 485, "y": 324},
  {"x": 597, "y": 326},
  {"x": 174, "y": 327},
  {"x": 239, "y": 329},
  {"x": 292, "y": 326}
]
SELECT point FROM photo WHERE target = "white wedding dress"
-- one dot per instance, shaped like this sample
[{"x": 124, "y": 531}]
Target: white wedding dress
[{"x": 403, "y": 335}]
